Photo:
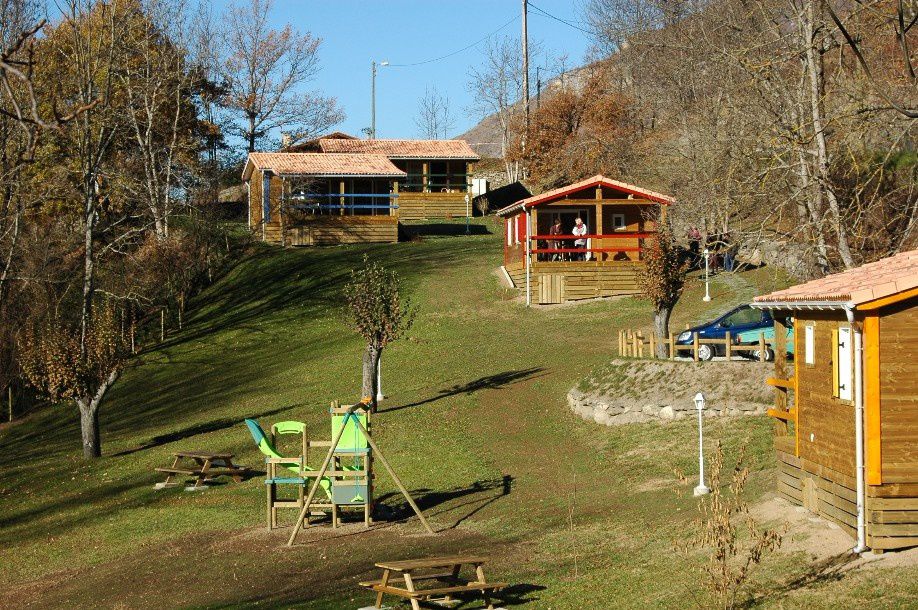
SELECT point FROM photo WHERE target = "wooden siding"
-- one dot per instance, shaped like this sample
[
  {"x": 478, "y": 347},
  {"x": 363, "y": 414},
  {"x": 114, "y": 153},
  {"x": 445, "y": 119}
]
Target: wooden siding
[
  {"x": 899, "y": 392},
  {"x": 891, "y": 510},
  {"x": 331, "y": 230},
  {"x": 420, "y": 206},
  {"x": 825, "y": 425},
  {"x": 581, "y": 280}
]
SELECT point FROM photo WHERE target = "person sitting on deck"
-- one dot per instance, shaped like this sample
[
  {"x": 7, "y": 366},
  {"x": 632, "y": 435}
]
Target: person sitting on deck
[
  {"x": 579, "y": 230},
  {"x": 555, "y": 229}
]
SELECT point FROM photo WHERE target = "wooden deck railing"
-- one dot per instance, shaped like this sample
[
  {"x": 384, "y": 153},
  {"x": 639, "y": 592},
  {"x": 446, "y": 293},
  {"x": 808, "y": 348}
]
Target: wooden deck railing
[{"x": 631, "y": 344}]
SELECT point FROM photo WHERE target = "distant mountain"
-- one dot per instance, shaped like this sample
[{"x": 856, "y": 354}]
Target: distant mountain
[{"x": 484, "y": 138}]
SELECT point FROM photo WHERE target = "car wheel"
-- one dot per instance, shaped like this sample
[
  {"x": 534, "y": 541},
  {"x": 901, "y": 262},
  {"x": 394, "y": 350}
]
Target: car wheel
[
  {"x": 769, "y": 354},
  {"x": 706, "y": 352}
]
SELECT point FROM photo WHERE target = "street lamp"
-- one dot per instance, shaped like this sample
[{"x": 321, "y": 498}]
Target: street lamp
[
  {"x": 707, "y": 292},
  {"x": 373, "y": 97},
  {"x": 702, "y": 489}
]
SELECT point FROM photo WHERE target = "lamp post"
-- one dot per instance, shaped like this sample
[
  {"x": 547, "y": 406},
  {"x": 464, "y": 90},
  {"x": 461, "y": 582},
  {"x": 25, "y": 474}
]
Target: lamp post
[
  {"x": 707, "y": 292},
  {"x": 702, "y": 489},
  {"x": 373, "y": 97}
]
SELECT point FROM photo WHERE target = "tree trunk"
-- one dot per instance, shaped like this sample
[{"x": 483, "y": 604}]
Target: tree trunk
[
  {"x": 89, "y": 428},
  {"x": 816, "y": 76},
  {"x": 370, "y": 363},
  {"x": 661, "y": 330}
]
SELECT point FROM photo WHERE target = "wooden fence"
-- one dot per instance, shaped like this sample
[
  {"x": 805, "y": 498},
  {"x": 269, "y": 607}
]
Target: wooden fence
[{"x": 632, "y": 344}]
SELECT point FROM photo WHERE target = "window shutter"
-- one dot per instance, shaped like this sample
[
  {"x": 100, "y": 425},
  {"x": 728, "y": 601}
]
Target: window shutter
[{"x": 834, "y": 353}]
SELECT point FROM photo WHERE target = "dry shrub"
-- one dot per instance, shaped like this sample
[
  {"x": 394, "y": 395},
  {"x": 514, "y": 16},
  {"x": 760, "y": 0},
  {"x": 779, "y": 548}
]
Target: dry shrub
[{"x": 736, "y": 541}]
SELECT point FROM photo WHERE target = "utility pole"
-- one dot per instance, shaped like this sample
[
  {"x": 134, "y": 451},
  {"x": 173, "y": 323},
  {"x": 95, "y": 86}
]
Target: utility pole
[
  {"x": 373, "y": 102},
  {"x": 526, "y": 65},
  {"x": 538, "y": 89}
]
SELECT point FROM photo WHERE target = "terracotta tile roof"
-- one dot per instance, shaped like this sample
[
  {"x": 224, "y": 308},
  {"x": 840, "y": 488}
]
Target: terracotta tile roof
[
  {"x": 598, "y": 180},
  {"x": 857, "y": 286},
  {"x": 322, "y": 165},
  {"x": 402, "y": 149}
]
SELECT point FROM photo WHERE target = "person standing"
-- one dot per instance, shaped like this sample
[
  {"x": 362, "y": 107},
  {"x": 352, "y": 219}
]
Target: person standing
[
  {"x": 555, "y": 244},
  {"x": 580, "y": 229}
]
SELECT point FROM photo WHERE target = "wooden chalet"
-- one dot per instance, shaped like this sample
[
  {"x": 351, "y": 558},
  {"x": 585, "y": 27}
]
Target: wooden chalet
[
  {"x": 847, "y": 444},
  {"x": 304, "y": 199},
  {"x": 437, "y": 182},
  {"x": 620, "y": 218}
]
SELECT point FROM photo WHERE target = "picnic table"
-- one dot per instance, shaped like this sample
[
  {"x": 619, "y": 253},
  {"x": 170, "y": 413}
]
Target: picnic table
[
  {"x": 443, "y": 570},
  {"x": 201, "y": 465}
]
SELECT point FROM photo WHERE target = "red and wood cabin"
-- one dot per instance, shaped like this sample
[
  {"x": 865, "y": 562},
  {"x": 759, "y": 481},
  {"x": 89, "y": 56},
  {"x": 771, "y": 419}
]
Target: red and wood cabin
[{"x": 620, "y": 219}]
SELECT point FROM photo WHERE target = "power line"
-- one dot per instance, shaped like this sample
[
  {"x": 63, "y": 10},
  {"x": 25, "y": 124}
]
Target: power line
[
  {"x": 474, "y": 44},
  {"x": 567, "y": 23}
]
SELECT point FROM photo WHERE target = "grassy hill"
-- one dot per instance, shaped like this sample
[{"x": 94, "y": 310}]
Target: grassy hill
[{"x": 476, "y": 425}]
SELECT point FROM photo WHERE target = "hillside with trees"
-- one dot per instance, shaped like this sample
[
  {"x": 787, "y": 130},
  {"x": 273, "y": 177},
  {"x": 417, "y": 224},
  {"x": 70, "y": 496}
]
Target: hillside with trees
[{"x": 789, "y": 124}]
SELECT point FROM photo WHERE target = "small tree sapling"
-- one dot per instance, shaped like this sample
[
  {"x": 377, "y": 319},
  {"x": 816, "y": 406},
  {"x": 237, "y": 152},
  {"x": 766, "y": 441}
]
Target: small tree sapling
[
  {"x": 379, "y": 313},
  {"x": 663, "y": 279}
]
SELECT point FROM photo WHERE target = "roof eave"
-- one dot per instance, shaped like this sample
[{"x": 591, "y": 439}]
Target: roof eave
[{"x": 804, "y": 305}]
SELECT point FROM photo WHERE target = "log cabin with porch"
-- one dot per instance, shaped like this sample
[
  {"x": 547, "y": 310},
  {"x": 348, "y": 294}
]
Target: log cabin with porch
[
  {"x": 438, "y": 172},
  {"x": 620, "y": 219},
  {"x": 847, "y": 417},
  {"x": 305, "y": 199}
]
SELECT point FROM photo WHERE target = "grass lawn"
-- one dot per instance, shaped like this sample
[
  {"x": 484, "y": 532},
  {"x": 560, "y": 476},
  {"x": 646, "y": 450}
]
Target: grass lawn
[{"x": 574, "y": 514}]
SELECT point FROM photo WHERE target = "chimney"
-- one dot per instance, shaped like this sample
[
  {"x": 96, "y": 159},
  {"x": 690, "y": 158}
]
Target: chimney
[{"x": 285, "y": 140}]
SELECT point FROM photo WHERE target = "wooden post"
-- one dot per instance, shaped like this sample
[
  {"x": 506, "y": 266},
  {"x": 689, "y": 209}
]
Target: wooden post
[
  {"x": 342, "y": 189},
  {"x": 162, "y": 324},
  {"x": 728, "y": 347},
  {"x": 10, "y": 395},
  {"x": 621, "y": 352},
  {"x": 394, "y": 200},
  {"x": 695, "y": 346},
  {"x": 281, "y": 212},
  {"x": 761, "y": 346},
  {"x": 634, "y": 344},
  {"x": 598, "y": 228},
  {"x": 672, "y": 347},
  {"x": 424, "y": 177},
  {"x": 653, "y": 340}
]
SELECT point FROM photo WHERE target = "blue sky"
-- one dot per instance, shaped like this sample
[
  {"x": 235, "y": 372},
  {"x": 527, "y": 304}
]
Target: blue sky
[{"x": 409, "y": 31}]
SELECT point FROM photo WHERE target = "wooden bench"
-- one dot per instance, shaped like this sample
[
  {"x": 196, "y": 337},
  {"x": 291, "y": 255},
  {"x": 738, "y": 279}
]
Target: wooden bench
[
  {"x": 206, "y": 467},
  {"x": 446, "y": 571}
]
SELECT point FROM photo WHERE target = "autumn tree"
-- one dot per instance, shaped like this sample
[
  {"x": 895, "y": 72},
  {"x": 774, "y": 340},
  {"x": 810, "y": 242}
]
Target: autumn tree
[
  {"x": 379, "y": 313},
  {"x": 662, "y": 281},
  {"x": 68, "y": 362},
  {"x": 265, "y": 70}
]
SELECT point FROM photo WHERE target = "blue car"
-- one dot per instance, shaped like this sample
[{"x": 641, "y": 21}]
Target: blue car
[{"x": 743, "y": 319}]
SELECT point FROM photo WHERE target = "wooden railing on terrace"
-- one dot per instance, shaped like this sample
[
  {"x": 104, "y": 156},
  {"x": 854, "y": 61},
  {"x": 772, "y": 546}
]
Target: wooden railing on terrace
[{"x": 601, "y": 237}]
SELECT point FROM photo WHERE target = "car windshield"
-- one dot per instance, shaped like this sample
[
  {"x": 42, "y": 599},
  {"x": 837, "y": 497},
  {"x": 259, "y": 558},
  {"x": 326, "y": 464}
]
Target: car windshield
[{"x": 742, "y": 317}]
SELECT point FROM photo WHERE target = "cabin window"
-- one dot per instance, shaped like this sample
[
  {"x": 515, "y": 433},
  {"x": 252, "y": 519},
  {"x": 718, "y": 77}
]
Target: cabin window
[
  {"x": 842, "y": 363},
  {"x": 809, "y": 345},
  {"x": 618, "y": 222}
]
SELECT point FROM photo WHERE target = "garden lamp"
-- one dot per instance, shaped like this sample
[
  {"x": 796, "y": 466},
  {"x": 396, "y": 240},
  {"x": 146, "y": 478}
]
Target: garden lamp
[{"x": 702, "y": 489}]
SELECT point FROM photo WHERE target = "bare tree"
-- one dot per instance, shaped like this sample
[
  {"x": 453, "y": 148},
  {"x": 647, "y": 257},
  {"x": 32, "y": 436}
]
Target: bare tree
[
  {"x": 435, "y": 119},
  {"x": 264, "y": 71},
  {"x": 496, "y": 88}
]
